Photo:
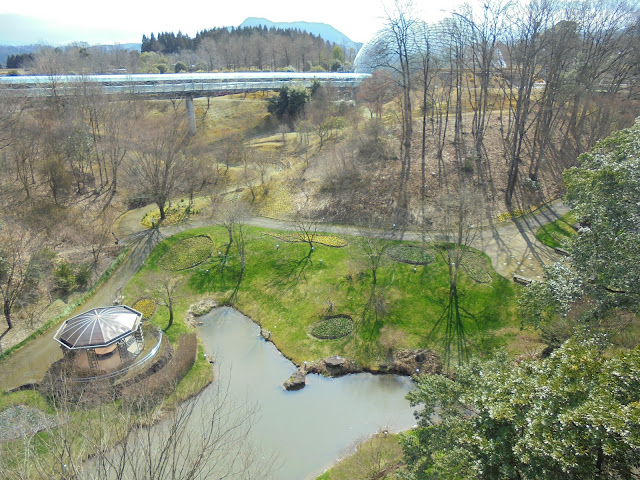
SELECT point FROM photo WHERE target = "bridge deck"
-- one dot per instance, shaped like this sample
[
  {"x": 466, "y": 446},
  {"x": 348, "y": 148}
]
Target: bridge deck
[{"x": 168, "y": 85}]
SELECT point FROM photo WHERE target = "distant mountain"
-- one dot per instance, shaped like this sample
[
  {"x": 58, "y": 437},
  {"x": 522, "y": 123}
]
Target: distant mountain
[{"x": 327, "y": 32}]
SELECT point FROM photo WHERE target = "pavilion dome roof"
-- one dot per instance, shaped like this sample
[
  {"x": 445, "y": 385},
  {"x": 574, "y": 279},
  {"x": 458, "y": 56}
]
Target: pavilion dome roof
[{"x": 98, "y": 327}]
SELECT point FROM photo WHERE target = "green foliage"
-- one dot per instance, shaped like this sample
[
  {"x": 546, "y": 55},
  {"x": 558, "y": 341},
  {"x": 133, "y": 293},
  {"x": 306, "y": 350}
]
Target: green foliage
[
  {"x": 603, "y": 193},
  {"x": 180, "y": 67},
  {"x": 162, "y": 68},
  {"x": 573, "y": 415},
  {"x": 332, "y": 327},
  {"x": 289, "y": 103},
  {"x": 338, "y": 54},
  {"x": 64, "y": 277},
  {"x": 187, "y": 253},
  {"x": 67, "y": 276},
  {"x": 83, "y": 276},
  {"x": 541, "y": 302}
]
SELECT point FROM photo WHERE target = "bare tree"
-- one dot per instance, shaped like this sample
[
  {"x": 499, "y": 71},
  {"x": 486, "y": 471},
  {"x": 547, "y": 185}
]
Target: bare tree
[
  {"x": 523, "y": 46},
  {"x": 166, "y": 295},
  {"x": 17, "y": 271},
  {"x": 373, "y": 246},
  {"x": 159, "y": 165}
]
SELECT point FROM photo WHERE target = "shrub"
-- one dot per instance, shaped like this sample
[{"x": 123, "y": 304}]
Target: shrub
[
  {"x": 83, "y": 276},
  {"x": 331, "y": 328},
  {"x": 180, "y": 67},
  {"x": 64, "y": 277}
]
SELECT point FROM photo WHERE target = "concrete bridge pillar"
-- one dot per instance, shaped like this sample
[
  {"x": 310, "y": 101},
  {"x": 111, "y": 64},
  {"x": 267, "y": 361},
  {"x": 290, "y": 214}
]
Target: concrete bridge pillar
[{"x": 191, "y": 115}]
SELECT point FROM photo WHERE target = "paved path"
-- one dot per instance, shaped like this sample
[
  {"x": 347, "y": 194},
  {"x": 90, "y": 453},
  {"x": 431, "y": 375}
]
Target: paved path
[{"x": 511, "y": 246}]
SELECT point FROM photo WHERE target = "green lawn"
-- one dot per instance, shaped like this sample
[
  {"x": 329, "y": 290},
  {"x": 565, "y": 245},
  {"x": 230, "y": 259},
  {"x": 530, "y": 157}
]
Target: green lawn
[
  {"x": 377, "y": 457},
  {"x": 287, "y": 289},
  {"x": 558, "y": 234}
]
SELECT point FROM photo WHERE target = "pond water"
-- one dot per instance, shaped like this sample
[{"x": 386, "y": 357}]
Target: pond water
[{"x": 309, "y": 429}]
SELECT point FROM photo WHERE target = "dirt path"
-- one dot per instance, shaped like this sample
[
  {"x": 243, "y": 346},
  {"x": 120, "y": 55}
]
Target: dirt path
[{"x": 511, "y": 246}]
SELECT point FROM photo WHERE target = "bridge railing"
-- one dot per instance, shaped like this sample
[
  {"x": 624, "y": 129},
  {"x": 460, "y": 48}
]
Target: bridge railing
[{"x": 191, "y": 88}]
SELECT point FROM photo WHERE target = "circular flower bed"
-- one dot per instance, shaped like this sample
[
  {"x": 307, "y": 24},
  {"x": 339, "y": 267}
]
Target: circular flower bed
[
  {"x": 475, "y": 266},
  {"x": 146, "y": 306},
  {"x": 187, "y": 253},
  {"x": 331, "y": 328},
  {"x": 411, "y": 254}
]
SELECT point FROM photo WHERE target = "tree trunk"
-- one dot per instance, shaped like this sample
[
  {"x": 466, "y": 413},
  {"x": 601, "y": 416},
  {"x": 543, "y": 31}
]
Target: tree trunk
[{"x": 7, "y": 314}]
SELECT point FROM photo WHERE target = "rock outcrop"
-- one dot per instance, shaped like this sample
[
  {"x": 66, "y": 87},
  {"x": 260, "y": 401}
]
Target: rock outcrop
[
  {"x": 296, "y": 381},
  {"x": 335, "y": 366},
  {"x": 414, "y": 362}
]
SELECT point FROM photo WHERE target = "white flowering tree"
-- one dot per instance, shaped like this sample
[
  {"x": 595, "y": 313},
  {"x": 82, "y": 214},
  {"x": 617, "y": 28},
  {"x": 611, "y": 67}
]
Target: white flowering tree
[{"x": 604, "y": 193}]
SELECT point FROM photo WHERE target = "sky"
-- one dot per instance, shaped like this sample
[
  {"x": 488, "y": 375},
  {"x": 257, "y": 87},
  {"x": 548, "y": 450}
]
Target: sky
[{"x": 124, "y": 21}]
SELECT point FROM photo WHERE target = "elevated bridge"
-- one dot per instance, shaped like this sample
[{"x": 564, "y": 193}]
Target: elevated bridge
[{"x": 179, "y": 85}]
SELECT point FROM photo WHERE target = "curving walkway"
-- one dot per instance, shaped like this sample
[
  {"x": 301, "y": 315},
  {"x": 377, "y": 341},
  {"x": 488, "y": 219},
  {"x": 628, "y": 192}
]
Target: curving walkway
[{"x": 511, "y": 246}]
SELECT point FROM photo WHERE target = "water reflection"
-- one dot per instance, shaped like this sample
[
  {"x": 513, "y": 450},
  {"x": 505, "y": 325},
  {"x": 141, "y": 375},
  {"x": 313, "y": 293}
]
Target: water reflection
[{"x": 311, "y": 428}]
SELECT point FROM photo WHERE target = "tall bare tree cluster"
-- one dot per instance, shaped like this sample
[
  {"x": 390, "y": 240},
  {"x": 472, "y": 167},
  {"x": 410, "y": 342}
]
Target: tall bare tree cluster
[{"x": 554, "y": 76}]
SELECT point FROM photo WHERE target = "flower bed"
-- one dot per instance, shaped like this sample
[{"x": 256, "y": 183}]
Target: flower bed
[
  {"x": 518, "y": 212},
  {"x": 411, "y": 254},
  {"x": 187, "y": 253},
  {"x": 146, "y": 306},
  {"x": 331, "y": 328},
  {"x": 173, "y": 214},
  {"x": 326, "y": 240},
  {"x": 475, "y": 266}
]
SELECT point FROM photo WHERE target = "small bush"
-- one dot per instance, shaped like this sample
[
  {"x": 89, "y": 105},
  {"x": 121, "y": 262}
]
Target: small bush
[
  {"x": 64, "y": 278},
  {"x": 83, "y": 276},
  {"x": 531, "y": 184},
  {"x": 331, "y": 328}
]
